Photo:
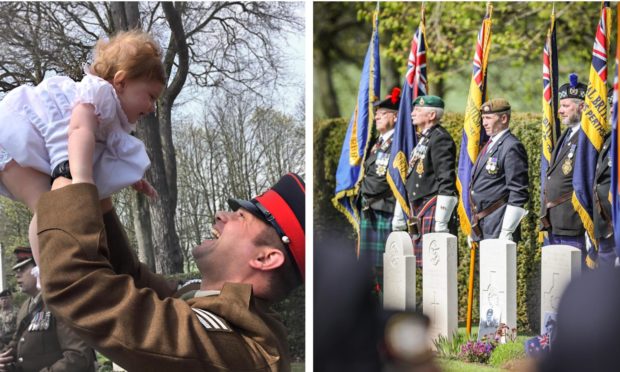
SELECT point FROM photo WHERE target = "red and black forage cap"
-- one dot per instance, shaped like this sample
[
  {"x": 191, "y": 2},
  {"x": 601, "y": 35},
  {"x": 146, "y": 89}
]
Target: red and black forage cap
[{"x": 283, "y": 208}]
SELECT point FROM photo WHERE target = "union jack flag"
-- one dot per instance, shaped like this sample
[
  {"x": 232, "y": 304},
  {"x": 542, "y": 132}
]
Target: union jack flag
[
  {"x": 478, "y": 73},
  {"x": 547, "y": 92},
  {"x": 599, "y": 50},
  {"x": 404, "y": 142},
  {"x": 544, "y": 340},
  {"x": 416, "y": 64}
]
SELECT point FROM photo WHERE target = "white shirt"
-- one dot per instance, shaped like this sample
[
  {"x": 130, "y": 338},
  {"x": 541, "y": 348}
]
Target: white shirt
[
  {"x": 386, "y": 136},
  {"x": 494, "y": 139}
]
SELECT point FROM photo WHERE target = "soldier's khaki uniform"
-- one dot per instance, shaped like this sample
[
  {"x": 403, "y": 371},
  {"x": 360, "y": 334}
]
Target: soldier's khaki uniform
[
  {"x": 142, "y": 329},
  {"x": 8, "y": 324},
  {"x": 42, "y": 343}
]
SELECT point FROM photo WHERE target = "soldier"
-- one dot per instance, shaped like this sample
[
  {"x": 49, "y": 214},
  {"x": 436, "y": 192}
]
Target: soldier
[
  {"x": 559, "y": 218},
  {"x": 377, "y": 199},
  {"x": 431, "y": 181},
  {"x": 41, "y": 341},
  {"x": 603, "y": 226},
  {"x": 499, "y": 181},
  {"x": 8, "y": 317},
  {"x": 255, "y": 259}
]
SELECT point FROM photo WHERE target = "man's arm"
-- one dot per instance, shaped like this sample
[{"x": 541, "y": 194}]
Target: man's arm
[
  {"x": 76, "y": 355},
  {"x": 516, "y": 172},
  {"x": 125, "y": 261}
]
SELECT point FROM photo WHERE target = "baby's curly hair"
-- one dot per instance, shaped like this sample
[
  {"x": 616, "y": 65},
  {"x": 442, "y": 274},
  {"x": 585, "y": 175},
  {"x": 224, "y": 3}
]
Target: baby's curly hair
[{"x": 135, "y": 52}]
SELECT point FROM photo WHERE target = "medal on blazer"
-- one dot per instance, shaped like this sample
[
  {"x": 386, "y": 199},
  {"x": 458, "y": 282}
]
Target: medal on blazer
[
  {"x": 567, "y": 167},
  {"x": 382, "y": 163},
  {"x": 40, "y": 321},
  {"x": 420, "y": 168},
  {"x": 491, "y": 166}
]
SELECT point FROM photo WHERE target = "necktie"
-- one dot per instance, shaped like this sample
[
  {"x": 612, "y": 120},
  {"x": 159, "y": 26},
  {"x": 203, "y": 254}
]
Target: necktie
[{"x": 484, "y": 149}]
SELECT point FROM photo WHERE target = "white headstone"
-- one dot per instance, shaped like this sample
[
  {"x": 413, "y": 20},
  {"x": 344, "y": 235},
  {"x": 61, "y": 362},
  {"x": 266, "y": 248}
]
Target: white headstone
[
  {"x": 559, "y": 264},
  {"x": 439, "y": 289},
  {"x": 399, "y": 272},
  {"x": 498, "y": 280},
  {"x": 117, "y": 368}
]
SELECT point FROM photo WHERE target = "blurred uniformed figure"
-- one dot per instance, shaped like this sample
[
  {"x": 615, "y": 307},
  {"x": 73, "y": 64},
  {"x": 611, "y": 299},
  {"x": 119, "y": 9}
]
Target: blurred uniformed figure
[
  {"x": 8, "y": 317},
  {"x": 431, "y": 180},
  {"x": 559, "y": 218},
  {"x": 499, "y": 181},
  {"x": 377, "y": 199},
  {"x": 603, "y": 227},
  {"x": 42, "y": 342}
]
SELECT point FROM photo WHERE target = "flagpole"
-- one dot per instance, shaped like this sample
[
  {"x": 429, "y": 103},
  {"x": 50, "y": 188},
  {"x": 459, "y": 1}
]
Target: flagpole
[{"x": 470, "y": 288}]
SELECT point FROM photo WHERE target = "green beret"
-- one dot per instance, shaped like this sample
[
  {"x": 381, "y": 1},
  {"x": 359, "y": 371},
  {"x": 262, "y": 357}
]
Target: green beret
[
  {"x": 495, "y": 106},
  {"x": 428, "y": 101}
]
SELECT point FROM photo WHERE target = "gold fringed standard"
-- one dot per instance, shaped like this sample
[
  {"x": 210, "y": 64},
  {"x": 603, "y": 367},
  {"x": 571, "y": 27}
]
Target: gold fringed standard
[
  {"x": 585, "y": 219},
  {"x": 463, "y": 218}
]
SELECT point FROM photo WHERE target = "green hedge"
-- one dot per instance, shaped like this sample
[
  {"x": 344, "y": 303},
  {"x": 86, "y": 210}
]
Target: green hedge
[{"x": 328, "y": 138}]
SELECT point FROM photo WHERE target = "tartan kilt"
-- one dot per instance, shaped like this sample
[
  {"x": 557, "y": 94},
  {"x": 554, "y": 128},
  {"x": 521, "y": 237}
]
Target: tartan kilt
[
  {"x": 375, "y": 226},
  {"x": 425, "y": 210}
]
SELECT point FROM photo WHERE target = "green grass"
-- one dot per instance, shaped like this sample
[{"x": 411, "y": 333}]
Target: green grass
[
  {"x": 297, "y": 367},
  {"x": 458, "y": 366},
  {"x": 507, "y": 352}
]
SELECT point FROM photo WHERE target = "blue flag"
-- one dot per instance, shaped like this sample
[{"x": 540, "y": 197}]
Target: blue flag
[
  {"x": 615, "y": 161},
  {"x": 404, "y": 134},
  {"x": 594, "y": 128},
  {"x": 355, "y": 144}
]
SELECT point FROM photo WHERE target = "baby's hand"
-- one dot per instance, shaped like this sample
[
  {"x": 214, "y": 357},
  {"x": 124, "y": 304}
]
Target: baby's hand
[{"x": 145, "y": 187}]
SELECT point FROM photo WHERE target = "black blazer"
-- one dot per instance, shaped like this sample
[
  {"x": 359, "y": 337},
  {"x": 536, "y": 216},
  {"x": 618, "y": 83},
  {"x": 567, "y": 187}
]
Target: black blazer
[
  {"x": 374, "y": 183},
  {"x": 563, "y": 218},
  {"x": 433, "y": 174},
  {"x": 501, "y": 172}
]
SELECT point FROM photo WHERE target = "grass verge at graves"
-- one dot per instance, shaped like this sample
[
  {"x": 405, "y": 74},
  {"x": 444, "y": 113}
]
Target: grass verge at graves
[
  {"x": 508, "y": 352},
  {"x": 459, "y": 366},
  {"x": 298, "y": 367}
]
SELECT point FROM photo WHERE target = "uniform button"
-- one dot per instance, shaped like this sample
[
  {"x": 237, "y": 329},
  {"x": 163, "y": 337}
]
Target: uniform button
[
  {"x": 548, "y": 177},
  {"x": 417, "y": 185},
  {"x": 414, "y": 193},
  {"x": 20, "y": 359},
  {"x": 22, "y": 339}
]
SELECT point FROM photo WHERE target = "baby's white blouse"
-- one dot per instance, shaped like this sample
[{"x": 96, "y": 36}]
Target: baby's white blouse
[{"x": 34, "y": 123}]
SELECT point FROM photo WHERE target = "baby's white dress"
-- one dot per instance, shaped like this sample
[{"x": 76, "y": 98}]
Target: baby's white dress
[{"x": 34, "y": 123}]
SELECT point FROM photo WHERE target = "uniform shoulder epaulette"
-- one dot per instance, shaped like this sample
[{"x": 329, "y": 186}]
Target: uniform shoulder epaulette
[{"x": 210, "y": 321}]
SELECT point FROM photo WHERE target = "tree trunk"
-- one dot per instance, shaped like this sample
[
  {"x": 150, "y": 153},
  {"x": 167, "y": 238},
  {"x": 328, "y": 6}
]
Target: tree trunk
[
  {"x": 327, "y": 92},
  {"x": 160, "y": 227},
  {"x": 168, "y": 258},
  {"x": 142, "y": 228}
]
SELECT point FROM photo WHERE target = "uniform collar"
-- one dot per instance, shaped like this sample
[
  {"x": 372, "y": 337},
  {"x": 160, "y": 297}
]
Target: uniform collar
[
  {"x": 496, "y": 138},
  {"x": 386, "y": 136}
]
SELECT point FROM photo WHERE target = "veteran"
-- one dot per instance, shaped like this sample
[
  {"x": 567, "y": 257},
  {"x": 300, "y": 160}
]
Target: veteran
[
  {"x": 377, "y": 199},
  {"x": 42, "y": 342},
  {"x": 8, "y": 317},
  {"x": 431, "y": 179},
  {"x": 559, "y": 217},
  {"x": 256, "y": 258},
  {"x": 499, "y": 182}
]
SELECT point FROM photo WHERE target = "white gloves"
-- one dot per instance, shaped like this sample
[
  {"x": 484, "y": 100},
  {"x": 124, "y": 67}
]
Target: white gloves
[
  {"x": 512, "y": 217},
  {"x": 399, "y": 221},
  {"x": 443, "y": 210}
]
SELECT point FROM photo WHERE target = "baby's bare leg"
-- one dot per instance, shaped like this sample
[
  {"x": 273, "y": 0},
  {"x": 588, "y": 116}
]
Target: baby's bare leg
[{"x": 26, "y": 185}]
